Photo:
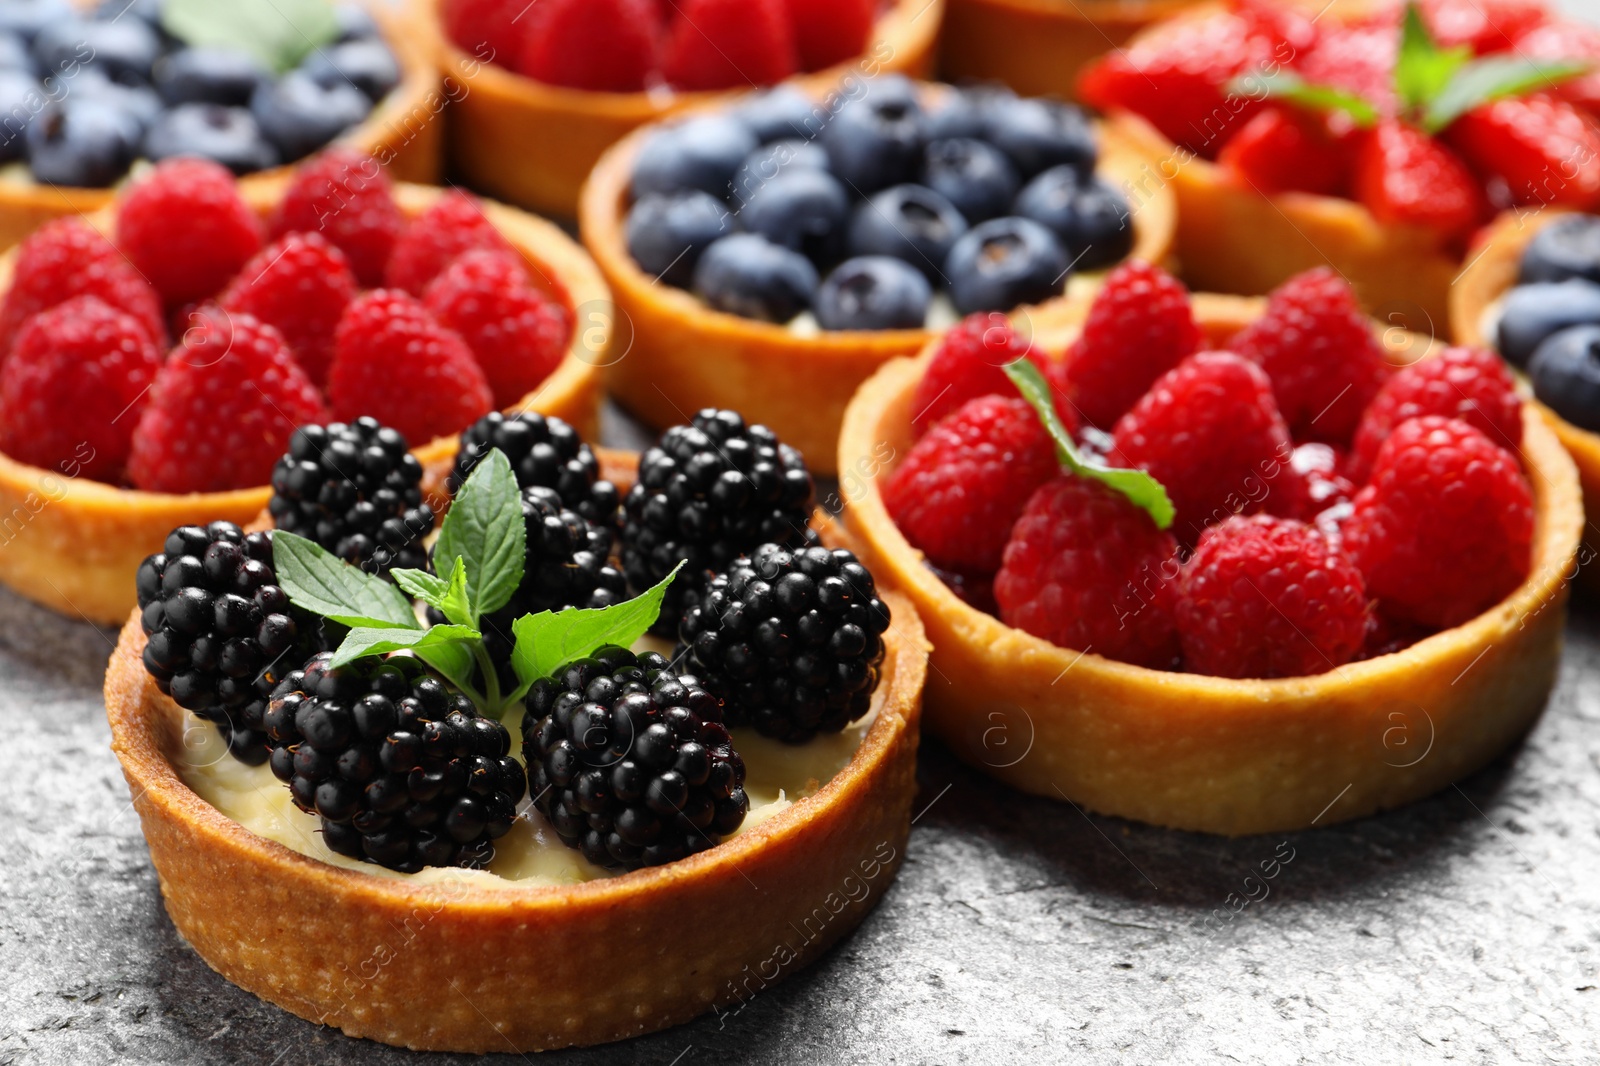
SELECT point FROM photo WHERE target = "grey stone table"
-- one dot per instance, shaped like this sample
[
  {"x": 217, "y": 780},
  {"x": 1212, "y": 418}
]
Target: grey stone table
[{"x": 1465, "y": 928}]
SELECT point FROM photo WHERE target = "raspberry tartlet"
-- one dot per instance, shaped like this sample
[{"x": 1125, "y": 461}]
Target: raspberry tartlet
[
  {"x": 1527, "y": 284},
  {"x": 354, "y": 828},
  {"x": 272, "y": 297},
  {"x": 772, "y": 263},
  {"x": 588, "y": 72},
  {"x": 1374, "y": 140},
  {"x": 1230, "y": 611},
  {"x": 258, "y": 106}
]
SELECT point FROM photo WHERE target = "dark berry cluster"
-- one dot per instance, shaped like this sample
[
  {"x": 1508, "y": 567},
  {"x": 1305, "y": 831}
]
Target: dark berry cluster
[
  {"x": 707, "y": 493},
  {"x": 220, "y": 631},
  {"x": 791, "y": 641},
  {"x": 356, "y": 490},
  {"x": 544, "y": 452},
  {"x": 630, "y": 761},
  {"x": 402, "y": 771}
]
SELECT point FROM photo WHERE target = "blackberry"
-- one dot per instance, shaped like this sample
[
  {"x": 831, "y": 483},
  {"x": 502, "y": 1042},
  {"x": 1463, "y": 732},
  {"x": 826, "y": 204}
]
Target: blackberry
[
  {"x": 630, "y": 761},
  {"x": 355, "y": 489},
  {"x": 543, "y": 451},
  {"x": 220, "y": 631},
  {"x": 402, "y": 771},
  {"x": 707, "y": 493},
  {"x": 791, "y": 641}
]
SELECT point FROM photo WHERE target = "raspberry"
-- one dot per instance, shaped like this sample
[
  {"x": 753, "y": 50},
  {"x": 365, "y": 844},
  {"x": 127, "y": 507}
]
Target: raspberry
[
  {"x": 1322, "y": 486},
  {"x": 1139, "y": 327},
  {"x": 489, "y": 29},
  {"x": 728, "y": 44},
  {"x": 1086, "y": 569},
  {"x": 453, "y": 225},
  {"x": 597, "y": 45},
  {"x": 66, "y": 258},
  {"x": 299, "y": 285},
  {"x": 1269, "y": 597},
  {"x": 187, "y": 229},
  {"x": 74, "y": 386},
  {"x": 966, "y": 365},
  {"x": 1324, "y": 360},
  {"x": 1533, "y": 144},
  {"x": 393, "y": 361},
  {"x": 830, "y": 31},
  {"x": 222, "y": 409},
  {"x": 1402, "y": 175},
  {"x": 965, "y": 482},
  {"x": 1466, "y": 383},
  {"x": 1444, "y": 528},
  {"x": 1210, "y": 432},
  {"x": 344, "y": 195},
  {"x": 518, "y": 334}
]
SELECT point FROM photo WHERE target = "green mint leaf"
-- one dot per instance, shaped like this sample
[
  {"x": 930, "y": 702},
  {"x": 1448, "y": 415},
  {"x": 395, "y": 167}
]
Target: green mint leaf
[
  {"x": 363, "y": 643},
  {"x": 331, "y": 587},
  {"x": 429, "y": 588},
  {"x": 279, "y": 33},
  {"x": 449, "y": 596},
  {"x": 1142, "y": 490},
  {"x": 1291, "y": 88},
  {"x": 1422, "y": 68},
  {"x": 547, "y": 641},
  {"x": 1495, "y": 78},
  {"x": 484, "y": 527}
]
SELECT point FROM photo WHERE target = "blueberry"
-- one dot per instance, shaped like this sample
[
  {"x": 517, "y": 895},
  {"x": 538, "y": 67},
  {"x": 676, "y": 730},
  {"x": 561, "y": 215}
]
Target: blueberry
[
  {"x": 1090, "y": 218},
  {"x": 1569, "y": 247},
  {"x": 299, "y": 116},
  {"x": 746, "y": 274},
  {"x": 26, "y": 18},
  {"x": 668, "y": 234},
  {"x": 876, "y": 140},
  {"x": 147, "y": 11},
  {"x": 908, "y": 222},
  {"x": 766, "y": 162},
  {"x": 701, "y": 153},
  {"x": 1040, "y": 134},
  {"x": 354, "y": 22},
  {"x": 801, "y": 209},
  {"x": 974, "y": 176},
  {"x": 20, "y": 103},
  {"x": 208, "y": 76},
  {"x": 1005, "y": 262},
  {"x": 124, "y": 50},
  {"x": 1566, "y": 375},
  {"x": 1533, "y": 312},
  {"x": 780, "y": 114},
  {"x": 14, "y": 54},
  {"x": 874, "y": 292},
  {"x": 226, "y": 135},
  {"x": 81, "y": 142},
  {"x": 957, "y": 113},
  {"x": 138, "y": 102},
  {"x": 368, "y": 65}
]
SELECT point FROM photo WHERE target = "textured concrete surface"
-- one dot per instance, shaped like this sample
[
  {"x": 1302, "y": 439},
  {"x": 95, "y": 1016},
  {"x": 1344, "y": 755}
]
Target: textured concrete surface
[{"x": 1464, "y": 929}]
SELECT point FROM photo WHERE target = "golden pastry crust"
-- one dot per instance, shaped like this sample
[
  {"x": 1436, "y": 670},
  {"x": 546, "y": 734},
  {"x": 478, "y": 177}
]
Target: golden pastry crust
[
  {"x": 1040, "y": 47},
  {"x": 572, "y": 128},
  {"x": 403, "y": 132},
  {"x": 677, "y": 355},
  {"x": 1491, "y": 270},
  {"x": 1206, "y": 753},
  {"x": 475, "y": 968},
  {"x": 73, "y": 544}
]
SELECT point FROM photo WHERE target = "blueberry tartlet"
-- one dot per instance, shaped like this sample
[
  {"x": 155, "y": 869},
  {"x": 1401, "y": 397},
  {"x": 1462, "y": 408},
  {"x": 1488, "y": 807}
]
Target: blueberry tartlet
[
  {"x": 771, "y": 255},
  {"x": 1225, "y": 564},
  {"x": 160, "y": 355},
  {"x": 94, "y": 89},
  {"x": 337, "y": 759}
]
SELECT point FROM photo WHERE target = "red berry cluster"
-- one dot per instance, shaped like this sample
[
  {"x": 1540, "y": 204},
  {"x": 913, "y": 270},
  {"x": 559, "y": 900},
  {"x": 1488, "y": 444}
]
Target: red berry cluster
[
  {"x": 626, "y": 46},
  {"x": 1328, "y": 506},
  {"x": 273, "y": 329}
]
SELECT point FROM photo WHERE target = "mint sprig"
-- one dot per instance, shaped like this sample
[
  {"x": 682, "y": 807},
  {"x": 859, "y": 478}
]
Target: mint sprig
[
  {"x": 279, "y": 33},
  {"x": 484, "y": 536},
  {"x": 1291, "y": 88},
  {"x": 1142, "y": 490}
]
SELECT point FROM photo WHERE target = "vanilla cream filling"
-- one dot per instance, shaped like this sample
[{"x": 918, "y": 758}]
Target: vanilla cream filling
[{"x": 777, "y": 775}]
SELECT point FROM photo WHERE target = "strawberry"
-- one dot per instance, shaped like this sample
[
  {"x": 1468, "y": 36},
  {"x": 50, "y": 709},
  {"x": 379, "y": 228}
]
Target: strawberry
[
  {"x": 1574, "y": 41},
  {"x": 1541, "y": 147},
  {"x": 729, "y": 44},
  {"x": 1357, "y": 58},
  {"x": 830, "y": 31},
  {"x": 598, "y": 45},
  {"x": 1485, "y": 26},
  {"x": 1403, "y": 175},
  {"x": 1283, "y": 150}
]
